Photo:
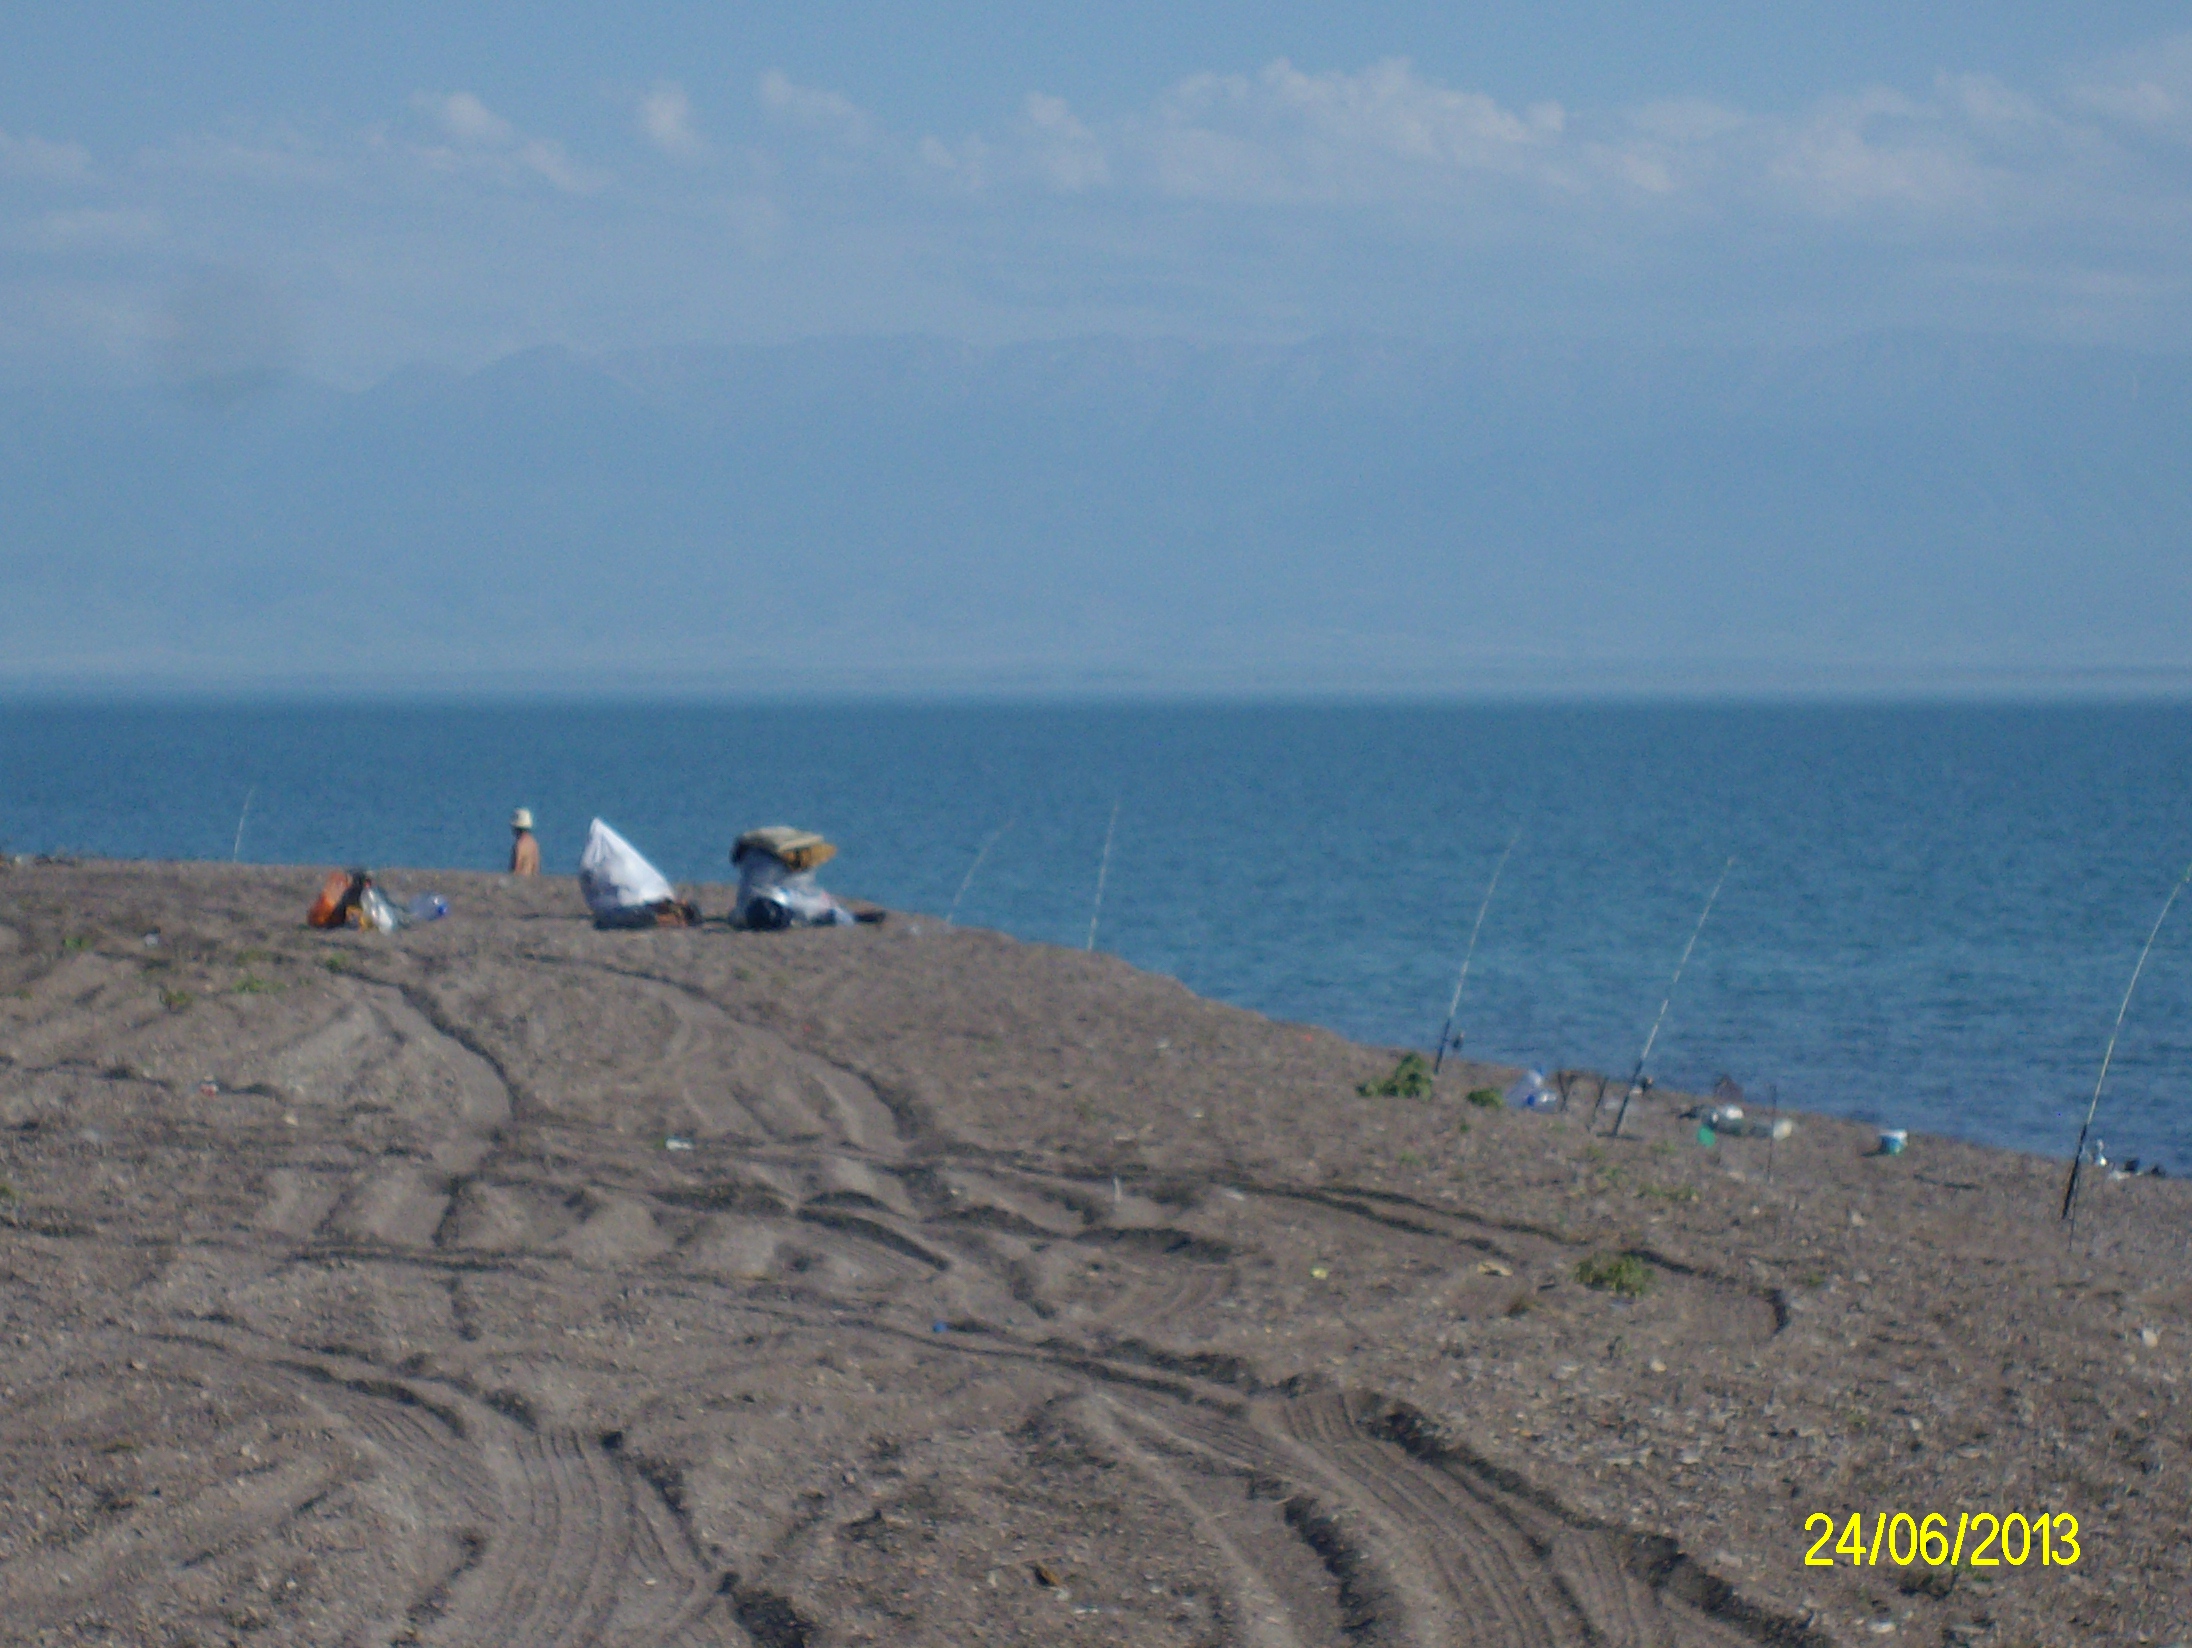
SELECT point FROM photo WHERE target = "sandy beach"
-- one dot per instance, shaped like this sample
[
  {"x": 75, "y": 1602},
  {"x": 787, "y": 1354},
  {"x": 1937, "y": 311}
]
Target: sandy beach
[{"x": 508, "y": 1281}]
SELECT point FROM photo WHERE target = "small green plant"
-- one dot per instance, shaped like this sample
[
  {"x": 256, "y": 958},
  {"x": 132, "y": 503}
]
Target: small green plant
[
  {"x": 1408, "y": 1158},
  {"x": 70, "y": 946},
  {"x": 1670, "y": 1193},
  {"x": 1811, "y": 1279},
  {"x": 336, "y": 964},
  {"x": 1622, "y": 1273},
  {"x": 177, "y": 1000},
  {"x": 1411, "y": 1079},
  {"x": 1486, "y": 1098},
  {"x": 253, "y": 985}
]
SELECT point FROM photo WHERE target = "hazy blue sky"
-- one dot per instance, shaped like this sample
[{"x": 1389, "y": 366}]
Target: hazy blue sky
[
  {"x": 343, "y": 190},
  {"x": 1243, "y": 345}
]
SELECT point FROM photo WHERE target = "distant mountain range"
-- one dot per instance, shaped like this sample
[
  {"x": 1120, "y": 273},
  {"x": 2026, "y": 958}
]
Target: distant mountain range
[{"x": 1110, "y": 515}]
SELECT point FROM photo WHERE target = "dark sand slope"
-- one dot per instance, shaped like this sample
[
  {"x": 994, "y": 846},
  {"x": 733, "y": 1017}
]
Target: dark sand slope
[{"x": 410, "y": 1328}]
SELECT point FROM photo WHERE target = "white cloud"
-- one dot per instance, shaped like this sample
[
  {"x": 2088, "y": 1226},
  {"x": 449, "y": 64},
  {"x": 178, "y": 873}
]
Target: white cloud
[
  {"x": 666, "y": 116},
  {"x": 1389, "y": 107},
  {"x": 1371, "y": 195},
  {"x": 468, "y": 120},
  {"x": 486, "y": 145},
  {"x": 1067, "y": 155},
  {"x": 965, "y": 163},
  {"x": 1686, "y": 120},
  {"x": 1969, "y": 155},
  {"x": 92, "y": 229},
  {"x": 831, "y": 113},
  {"x": 2149, "y": 90},
  {"x": 1878, "y": 147},
  {"x": 547, "y": 160},
  {"x": 1287, "y": 134},
  {"x": 43, "y": 161},
  {"x": 278, "y": 157},
  {"x": 1989, "y": 106},
  {"x": 1652, "y": 174}
]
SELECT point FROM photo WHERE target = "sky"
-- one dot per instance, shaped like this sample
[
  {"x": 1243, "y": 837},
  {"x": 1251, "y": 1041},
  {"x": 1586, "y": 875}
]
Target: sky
[
  {"x": 1237, "y": 344},
  {"x": 204, "y": 193}
]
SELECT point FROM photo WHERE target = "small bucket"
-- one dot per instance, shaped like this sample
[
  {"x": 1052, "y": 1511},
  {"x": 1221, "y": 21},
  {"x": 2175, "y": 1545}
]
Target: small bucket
[{"x": 1892, "y": 1140}]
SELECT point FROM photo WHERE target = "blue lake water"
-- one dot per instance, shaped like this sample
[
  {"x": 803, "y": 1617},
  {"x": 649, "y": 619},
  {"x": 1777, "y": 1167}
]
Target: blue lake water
[{"x": 1930, "y": 922}]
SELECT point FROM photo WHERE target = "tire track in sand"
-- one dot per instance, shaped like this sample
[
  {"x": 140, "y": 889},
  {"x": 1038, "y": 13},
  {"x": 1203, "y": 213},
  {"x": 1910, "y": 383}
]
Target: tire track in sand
[
  {"x": 551, "y": 1538},
  {"x": 1425, "y": 1553}
]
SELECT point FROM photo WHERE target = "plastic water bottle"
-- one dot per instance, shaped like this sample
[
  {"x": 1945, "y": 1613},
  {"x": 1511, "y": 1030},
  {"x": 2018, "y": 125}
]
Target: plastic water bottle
[
  {"x": 1531, "y": 1093},
  {"x": 429, "y": 907}
]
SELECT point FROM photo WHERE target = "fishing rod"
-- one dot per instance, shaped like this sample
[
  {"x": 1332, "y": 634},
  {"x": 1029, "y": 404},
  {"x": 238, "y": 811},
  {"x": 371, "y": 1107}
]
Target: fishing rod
[
  {"x": 1447, "y": 1037},
  {"x": 967, "y": 880},
  {"x": 1103, "y": 868},
  {"x": 237, "y": 850},
  {"x": 2077, "y": 1160},
  {"x": 1637, "y": 1081}
]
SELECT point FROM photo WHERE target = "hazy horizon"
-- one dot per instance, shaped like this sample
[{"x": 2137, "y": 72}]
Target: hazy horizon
[{"x": 1262, "y": 350}]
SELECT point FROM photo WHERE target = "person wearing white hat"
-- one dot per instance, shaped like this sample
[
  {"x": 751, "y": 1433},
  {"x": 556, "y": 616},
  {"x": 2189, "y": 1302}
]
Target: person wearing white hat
[{"x": 524, "y": 850}]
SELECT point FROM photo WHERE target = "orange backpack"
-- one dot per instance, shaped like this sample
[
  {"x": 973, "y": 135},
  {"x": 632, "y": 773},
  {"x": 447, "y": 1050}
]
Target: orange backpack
[{"x": 327, "y": 910}]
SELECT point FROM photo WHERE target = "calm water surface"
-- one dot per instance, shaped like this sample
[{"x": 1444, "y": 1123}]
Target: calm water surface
[{"x": 1931, "y": 918}]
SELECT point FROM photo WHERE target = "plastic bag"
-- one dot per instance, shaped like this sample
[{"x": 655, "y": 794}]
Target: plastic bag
[
  {"x": 614, "y": 877},
  {"x": 376, "y": 914},
  {"x": 772, "y": 896},
  {"x": 1530, "y": 1092}
]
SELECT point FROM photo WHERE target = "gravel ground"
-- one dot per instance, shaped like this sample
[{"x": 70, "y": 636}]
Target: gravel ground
[{"x": 506, "y": 1281}]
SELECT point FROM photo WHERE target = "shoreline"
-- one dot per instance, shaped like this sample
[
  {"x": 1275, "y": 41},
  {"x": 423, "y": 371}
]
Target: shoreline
[
  {"x": 716, "y": 896},
  {"x": 1028, "y": 1231}
]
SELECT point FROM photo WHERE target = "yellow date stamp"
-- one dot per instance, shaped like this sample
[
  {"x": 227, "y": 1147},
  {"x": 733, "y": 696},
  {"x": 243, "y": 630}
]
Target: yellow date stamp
[{"x": 1981, "y": 1539}]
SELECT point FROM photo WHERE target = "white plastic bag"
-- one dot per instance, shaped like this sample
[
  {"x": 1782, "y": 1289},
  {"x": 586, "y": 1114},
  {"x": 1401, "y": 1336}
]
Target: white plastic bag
[
  {"x": 1530, "y": 1092},
  {"x": 377, "y": 913},
  {"x": 762, "y": 878},
  {"x": 614, "y": 877}
]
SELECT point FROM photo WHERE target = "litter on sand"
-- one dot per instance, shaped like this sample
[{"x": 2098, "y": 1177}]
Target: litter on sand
[
  {"x": 623, "y": 890},
  {"x": 776, "y": 885},
  {"x": 1530, "y": 1092},
  {"x": 1726, "y": 1119},
  {"x": 348, "y": 898}
]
